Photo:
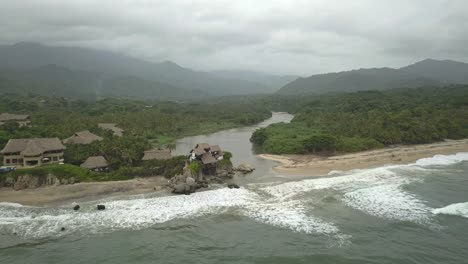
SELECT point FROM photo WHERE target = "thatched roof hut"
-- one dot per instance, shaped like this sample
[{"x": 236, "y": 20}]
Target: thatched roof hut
[
  {"x": 157, "y": 154},
  {"x": 32, "y": 146},
  {"x": 95, "y": 162},
  {"x": 117, "y": 131},
  {"x": 12, "y": 117},
  {"x": 83, "y": 138},
  {"x": 207, "y": 158}
]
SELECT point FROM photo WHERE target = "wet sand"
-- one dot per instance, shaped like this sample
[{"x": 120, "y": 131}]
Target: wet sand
[
  {"x": 316, "y": 165},
  {"x": 82, "y": 192}
]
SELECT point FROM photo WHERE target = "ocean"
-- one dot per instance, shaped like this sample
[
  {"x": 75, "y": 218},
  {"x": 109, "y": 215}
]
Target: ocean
[{"x": 415, "y": 213}]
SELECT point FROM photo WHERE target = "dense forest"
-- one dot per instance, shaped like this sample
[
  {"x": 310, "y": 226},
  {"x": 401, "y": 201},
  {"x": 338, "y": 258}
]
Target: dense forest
[
  {"x": 146, "y": 124},
  {"x": 364, "y": 120}
]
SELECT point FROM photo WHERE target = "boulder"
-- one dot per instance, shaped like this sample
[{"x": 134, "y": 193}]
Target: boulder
[
  {"x": 243, "y": 168},
  {"x": 191, "y": 183},
  {"x": 76, "y": 207},
  {"x": 222, "y": 173},
  {"x": 101, "y": 207},
  {"x": 233, "y": 186},
  {"x": 180, "y": 188}
]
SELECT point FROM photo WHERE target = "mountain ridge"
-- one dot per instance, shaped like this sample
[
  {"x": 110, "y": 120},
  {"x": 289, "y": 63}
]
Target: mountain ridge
[{"x": 424, "y": 73}]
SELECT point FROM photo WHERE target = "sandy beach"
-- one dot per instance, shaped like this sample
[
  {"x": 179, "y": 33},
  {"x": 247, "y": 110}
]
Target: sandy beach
[
  {"x": 315, "y": 165},
  {"x": 82, "y": 192}
]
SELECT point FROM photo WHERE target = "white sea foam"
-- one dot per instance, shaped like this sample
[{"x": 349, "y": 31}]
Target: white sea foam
[
  {"x": 442, "y": 159},
  {"x": 376, "y": 192},
  {"x": 390, "y": 202},
  {"x": 289, "y": 215},
  {"x": 5, "y": 204},
  {"x": 458, "y": 209},
  {"x": 143, "y": 213}
]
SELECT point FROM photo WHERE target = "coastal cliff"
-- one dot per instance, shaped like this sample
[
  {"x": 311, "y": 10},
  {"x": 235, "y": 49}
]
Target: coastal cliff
[{"x": 28, "y": 181}]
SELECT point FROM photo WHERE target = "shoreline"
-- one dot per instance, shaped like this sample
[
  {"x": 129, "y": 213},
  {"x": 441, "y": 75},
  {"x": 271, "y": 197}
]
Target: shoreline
[
  {"x": 317, "y": 165},
  {"x": 82, "y": 192},
  {"x": 310, "y": 165}
]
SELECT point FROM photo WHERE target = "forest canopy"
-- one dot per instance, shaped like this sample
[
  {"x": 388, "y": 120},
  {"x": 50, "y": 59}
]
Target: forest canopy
[{"x": 349, "y": 122}]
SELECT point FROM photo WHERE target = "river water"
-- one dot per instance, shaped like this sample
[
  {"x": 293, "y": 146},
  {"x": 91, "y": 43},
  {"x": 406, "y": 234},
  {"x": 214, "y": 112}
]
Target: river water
[{"x": 416, "y": 213}]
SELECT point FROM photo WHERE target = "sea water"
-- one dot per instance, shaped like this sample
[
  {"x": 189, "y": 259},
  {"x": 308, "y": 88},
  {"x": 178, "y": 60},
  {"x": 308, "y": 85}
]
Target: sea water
[{"x": 416, "y": 213}]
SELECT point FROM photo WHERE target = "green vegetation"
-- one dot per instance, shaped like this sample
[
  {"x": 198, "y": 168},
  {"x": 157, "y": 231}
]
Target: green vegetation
[
  {"x": 226, "y": 161},
  {"x": 167, "y": 168},
  {"x": 366, "y": 120},
  {"x": 146, "y": 125},
  {"x": 195, "y": 166}
]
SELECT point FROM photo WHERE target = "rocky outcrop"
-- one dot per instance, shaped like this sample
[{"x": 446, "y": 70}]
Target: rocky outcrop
[
  {"x": 32, "y": 182},
  {"x": 244, "y": 169},
  {"x": 189, "y": 181}
]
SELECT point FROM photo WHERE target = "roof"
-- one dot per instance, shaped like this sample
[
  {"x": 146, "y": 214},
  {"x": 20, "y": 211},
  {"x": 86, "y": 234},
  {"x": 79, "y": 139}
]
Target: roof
[
  {"x": 215, "y": 148},
  {"x": 203, "y": 145},
  {"x": 95, "y": 162},
  {"x": 32, "y": 146},
  {"x": 198, "y": 151},
  {"x": 157, "y": 154},
  {"x": 207, "y": 158},
  {"x": 83, "y": 137},
  {"x": 8, "y": 117},
  {"x": 112, "y": 127}
]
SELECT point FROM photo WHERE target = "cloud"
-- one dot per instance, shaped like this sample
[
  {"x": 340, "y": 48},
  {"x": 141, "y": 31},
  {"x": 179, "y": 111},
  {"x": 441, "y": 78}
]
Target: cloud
[{"x": 286, "y": 36}]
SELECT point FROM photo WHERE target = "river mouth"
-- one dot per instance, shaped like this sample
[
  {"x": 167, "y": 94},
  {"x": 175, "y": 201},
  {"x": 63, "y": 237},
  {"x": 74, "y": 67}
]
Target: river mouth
[{"x": 237, "y": 141}]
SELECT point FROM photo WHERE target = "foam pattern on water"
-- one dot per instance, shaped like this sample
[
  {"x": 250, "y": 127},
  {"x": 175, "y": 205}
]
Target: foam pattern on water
[
  {"x": 143, "y": 213},
  {"x": 376, "y": 192},
  {"x": 390, "y": 202},
  {"x": 458, "y": 209}
]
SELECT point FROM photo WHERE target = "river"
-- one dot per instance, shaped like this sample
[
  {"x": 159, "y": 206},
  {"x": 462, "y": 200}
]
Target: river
[{"x": 416, "y": 213}]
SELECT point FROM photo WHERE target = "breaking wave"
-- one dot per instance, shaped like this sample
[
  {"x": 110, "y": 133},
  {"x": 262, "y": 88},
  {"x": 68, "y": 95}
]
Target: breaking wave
[
  {"x": 143, "y": 213},
  {"x": 378, "y": 192},
  {"x": 458, "y": 209}
]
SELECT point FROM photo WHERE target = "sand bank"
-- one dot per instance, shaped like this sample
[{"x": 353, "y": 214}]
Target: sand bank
[
  {"x": 315, "y": 165},
  {"x": 82, "y": 192}
]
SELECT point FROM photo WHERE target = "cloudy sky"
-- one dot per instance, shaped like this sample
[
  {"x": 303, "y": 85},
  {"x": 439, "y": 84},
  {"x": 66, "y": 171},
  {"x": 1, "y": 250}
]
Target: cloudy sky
[{"x": 301, "y": 37}]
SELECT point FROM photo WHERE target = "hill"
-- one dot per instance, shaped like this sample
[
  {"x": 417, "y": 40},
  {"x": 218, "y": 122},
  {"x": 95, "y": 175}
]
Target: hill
[
  {"x": 53, "y": 80},
  {"x": 441, "y": 70},
  {"x": 427, "y": 73},
  {"x": 108, "y": 64}
]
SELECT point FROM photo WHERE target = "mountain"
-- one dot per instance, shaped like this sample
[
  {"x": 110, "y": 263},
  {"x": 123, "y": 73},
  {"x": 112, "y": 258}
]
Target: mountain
[
  {"x": 49, "y": 80},
  {"x": 442, "y": 70},
  {"x": 271, "y": 82},
  {"x": 424, "y": 73},
  {"x": 53, "y": 80},
  {"x": 356, "y": 80},
  {"x": 32, "y": 55}
]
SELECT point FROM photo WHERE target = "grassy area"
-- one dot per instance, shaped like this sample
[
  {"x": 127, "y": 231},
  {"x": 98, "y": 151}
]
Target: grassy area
[{"x": 166, "y": 168}]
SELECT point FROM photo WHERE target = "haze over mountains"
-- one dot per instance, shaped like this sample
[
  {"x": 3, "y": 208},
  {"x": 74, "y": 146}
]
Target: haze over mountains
[
  {"x": 89, "y": 74},
  {"x": 102, "y": 73},
  {"x": 424, "y": 73}
]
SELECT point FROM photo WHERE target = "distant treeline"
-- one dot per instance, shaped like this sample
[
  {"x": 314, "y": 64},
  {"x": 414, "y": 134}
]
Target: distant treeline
[{"x": 364, "y": 120}]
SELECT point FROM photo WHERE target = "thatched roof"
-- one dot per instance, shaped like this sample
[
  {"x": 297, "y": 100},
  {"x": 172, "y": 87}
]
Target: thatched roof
[
  {"x": 203, "y": 146},
  {"x": 10, "y": 117},
  {"x": 157, "y": 154},
  {"x": 32, "y": 146},
  {"x": 112, "y": 127},
  {"x": 215, "y": 148},
  {"x": 83, "y": 137},
  {"x": 207, "y": 158},
  {"x": 198, "y": 151},
  {"x": 95, "y": 162}
]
